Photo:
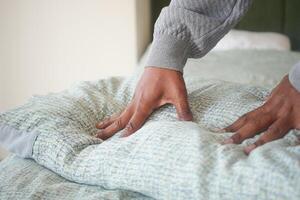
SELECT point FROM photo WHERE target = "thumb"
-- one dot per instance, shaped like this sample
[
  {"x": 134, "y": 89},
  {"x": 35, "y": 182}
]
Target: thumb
[{"x": 183, "y": 109}]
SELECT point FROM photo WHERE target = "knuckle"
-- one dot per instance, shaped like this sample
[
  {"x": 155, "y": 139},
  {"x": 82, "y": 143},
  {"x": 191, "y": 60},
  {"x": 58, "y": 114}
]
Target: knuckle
[
  {"x": 118, "y": 124},
  {"x": 186, "y": 115},
  {"x": 130, "y": 127},
  {"x": 232, "y": 127},
  {"x": 185, "y": 111},
  {"x": 244, "y": 117},
  {"x": 229, "y": 128},
  {"x": 103, "y": 134},
  {"x": 103, "y": 123},
  {"x": 236, "y": 138},
  {"x": 273, "y": 130},
  {"x": 265, "y": 108},
  {"x": 260, "y": 142}
]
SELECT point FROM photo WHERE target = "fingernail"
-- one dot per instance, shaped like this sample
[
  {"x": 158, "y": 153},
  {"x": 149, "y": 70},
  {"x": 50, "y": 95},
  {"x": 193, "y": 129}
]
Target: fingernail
[
  {"x": 249, "y": 148},
  {"x": 228, "y": 141}
]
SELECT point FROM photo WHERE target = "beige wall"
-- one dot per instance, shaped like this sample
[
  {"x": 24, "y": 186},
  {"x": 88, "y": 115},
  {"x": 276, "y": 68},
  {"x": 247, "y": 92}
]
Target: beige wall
[
  {"x": 45, "y": 45},
  {"x": 143, "y": 25}
]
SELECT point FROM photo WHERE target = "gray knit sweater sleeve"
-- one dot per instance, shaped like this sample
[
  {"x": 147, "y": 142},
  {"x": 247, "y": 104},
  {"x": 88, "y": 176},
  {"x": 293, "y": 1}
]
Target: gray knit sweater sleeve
[{"x": 191, "y": 28}]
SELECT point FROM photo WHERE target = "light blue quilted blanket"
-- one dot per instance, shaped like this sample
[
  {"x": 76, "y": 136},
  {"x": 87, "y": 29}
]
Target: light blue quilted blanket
[{"x": 165, "y": 159}]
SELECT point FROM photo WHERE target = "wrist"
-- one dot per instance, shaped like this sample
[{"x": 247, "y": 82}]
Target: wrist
[
  {"x": 168, "y": 52},
  {"x": 158, "y": 68}
]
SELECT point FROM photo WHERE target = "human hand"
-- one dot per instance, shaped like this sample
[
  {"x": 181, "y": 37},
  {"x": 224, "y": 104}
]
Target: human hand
[
  {"x": 279, "y": 114},
  {"x": 156, "y": 88}
]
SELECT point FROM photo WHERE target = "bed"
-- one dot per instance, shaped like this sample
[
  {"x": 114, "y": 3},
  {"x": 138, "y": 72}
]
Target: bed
[
  {"x": 69, "y": 163},
  {"x": 86, "y": 168}
]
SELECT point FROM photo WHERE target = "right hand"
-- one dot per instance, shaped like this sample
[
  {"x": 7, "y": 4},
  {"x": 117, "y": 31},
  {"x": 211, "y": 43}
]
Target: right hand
[{"x": 156, "y": 88}]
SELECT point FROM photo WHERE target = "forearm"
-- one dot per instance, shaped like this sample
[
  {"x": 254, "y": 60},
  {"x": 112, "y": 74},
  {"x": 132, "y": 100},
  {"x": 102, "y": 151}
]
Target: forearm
[
  {"x": 189, "y": 29},
  {"x": 294, "y": 76}
]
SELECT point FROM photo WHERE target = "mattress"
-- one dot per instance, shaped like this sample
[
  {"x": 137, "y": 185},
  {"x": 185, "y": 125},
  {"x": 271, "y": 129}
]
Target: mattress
[{"x": 221, "y": 169}]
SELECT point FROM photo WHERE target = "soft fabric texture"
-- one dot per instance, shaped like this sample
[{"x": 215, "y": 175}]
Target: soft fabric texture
[
  {"x": 18, "y": 141},
  {"x": 191, "y": 28},
  {"x": 24, "y": 179},
  {"x": 166, "y": 158},
  {"x": 261, "y": 68},
  {"x": 3, "y": 153}
]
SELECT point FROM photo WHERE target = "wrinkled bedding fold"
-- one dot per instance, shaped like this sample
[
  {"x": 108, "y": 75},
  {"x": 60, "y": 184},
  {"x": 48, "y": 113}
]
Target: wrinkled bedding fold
[{"x": 166, "y": 158}]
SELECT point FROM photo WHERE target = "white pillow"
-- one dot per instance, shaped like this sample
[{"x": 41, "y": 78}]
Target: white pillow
[{"x": 237, "y": 39}]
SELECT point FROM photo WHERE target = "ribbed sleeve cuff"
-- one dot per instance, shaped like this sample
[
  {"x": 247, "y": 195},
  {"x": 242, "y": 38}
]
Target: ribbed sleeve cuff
[
  {"x": 168, "y": 52},
  {"x": 294, "y": 77}
]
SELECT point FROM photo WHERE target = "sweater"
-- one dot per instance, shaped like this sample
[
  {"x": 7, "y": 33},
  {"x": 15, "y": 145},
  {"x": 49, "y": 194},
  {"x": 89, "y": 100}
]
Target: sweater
[{"x": 191, "y": 28}]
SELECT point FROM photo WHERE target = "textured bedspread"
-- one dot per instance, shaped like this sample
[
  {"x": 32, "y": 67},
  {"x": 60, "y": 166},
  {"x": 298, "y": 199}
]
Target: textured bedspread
[
  {"x": 166, "y": 158},
  {"x": 25, "y": 179}
]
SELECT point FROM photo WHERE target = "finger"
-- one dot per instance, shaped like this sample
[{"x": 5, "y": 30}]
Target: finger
[
  {"x": 107, "y": 121},
  {"x": 276, "y": 131},
  {"x": 251, "y": 127},
  {"x": 256, "y": 113},
  {"x": 116, "y": 126},
  {"x": 183, "y": 109},
  {"x": 237, "y": 124},
  {"x": 136, "y": 122},
  {"x": 245, "y": 118}
]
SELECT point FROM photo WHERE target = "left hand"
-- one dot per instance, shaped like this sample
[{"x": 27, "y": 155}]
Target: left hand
[{"x": 276, "y": 117}]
